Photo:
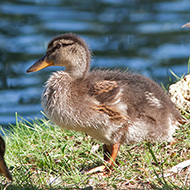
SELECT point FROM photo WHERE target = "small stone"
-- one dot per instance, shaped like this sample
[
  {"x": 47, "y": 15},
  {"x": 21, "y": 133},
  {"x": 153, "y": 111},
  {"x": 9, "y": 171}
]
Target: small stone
[{"x": 180, "y": 93}]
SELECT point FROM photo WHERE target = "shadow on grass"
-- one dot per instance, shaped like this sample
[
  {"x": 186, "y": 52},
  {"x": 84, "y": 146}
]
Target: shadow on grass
[
  {"x": 167, "y": 187},
  {"x": 17, "y": 187}
]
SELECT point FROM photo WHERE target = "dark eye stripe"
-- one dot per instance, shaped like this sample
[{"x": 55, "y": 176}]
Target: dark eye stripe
[
  {"x": 64, "y": 45},
  {"x": 59, "y": 45}
]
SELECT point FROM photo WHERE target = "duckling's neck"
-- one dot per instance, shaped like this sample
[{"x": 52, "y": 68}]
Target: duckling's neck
[{"x": 79, "y": 69}]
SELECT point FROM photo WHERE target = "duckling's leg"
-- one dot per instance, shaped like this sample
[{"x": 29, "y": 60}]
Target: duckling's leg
[{"x": 110, "y": 154}]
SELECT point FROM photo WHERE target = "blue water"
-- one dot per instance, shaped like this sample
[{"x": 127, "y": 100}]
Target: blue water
[{"x": 144, "y": 36}]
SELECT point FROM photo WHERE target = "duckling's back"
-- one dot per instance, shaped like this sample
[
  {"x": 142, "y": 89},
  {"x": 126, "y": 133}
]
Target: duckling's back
[{"x": 149, "y": 112}]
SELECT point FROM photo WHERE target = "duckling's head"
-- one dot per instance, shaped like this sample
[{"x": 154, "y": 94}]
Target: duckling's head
[
  {"x": 67, "y": 50},
  {"x": 3, "y": 166}
]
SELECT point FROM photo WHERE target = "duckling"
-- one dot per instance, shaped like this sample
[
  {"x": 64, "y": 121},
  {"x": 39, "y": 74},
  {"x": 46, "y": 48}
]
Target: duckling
[
  {"x": 111, "y": 106},
  {"x": 3, "y": 167}
]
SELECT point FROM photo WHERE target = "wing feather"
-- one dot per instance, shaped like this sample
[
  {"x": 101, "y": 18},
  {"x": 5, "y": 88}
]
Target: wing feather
[
  {"x": 108, "y": 97},
  {"x": 104, "y": 91}
]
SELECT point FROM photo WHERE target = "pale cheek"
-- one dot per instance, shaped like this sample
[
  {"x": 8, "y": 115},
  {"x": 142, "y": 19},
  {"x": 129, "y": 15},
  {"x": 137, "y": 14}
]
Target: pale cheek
[{"x": 60, "y": 60}]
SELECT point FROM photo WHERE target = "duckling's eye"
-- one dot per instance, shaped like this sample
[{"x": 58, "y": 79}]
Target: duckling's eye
[{"x": 58, "y": 45}]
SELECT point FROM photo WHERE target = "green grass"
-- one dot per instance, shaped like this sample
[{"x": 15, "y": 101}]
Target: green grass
[{"x": 42, "y": 156}]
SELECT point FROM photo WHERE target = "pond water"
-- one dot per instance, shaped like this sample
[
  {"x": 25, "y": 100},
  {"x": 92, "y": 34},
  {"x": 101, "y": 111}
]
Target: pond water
[{"x": 144, "y": 36}]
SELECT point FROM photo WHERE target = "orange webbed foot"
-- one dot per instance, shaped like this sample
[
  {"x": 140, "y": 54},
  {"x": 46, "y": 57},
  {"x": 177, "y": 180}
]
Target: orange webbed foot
[{"x": 110, "y": 154}]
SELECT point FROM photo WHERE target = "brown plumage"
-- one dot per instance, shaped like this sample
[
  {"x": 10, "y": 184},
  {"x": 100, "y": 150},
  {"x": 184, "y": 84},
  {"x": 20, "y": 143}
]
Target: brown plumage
[
  {"x": 113, "y": 107},
  {"x": 3, "y": 166}
]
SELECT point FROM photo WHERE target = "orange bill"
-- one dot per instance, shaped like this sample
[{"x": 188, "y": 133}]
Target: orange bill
[
  {"x": 40, "y": 64},
  {"x": 4, "y": 169}
]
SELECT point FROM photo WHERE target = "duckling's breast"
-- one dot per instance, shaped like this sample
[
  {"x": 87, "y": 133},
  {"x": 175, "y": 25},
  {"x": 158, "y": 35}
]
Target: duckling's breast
[{"x": 57, "y": 100}]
